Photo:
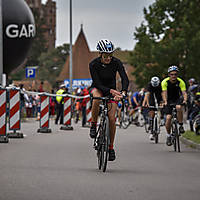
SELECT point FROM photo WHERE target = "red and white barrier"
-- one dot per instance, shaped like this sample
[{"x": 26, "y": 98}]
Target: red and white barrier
[
  {"x": 67, "y": 111},
  {"x": 2, "y": 112},
  {"x": 88, "y": 110},
  {"x": 14, "y": 107},
  {"x": 67, "y": 114},
  {"x": 44, "y": 115}
]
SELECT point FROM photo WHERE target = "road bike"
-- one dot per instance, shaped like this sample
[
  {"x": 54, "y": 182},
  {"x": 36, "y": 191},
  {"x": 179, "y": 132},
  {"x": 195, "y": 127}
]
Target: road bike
[
  {"x": 156, "y": 123},
  {"x": 102, "y": 141},
  {"x": 196, "y": 124},
  {"x": 139, "y": 117},
  {"x": 174, "y": 128},
  {"x": 125, "y": 119}
]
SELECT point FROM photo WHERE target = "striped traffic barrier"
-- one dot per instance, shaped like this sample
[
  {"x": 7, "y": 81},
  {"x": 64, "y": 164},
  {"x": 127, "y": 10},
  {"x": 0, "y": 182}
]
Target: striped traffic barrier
[
  {"x": 44, "y": 115},
  {"x": 67, "y": 114},
  {"x": 3, "y": 122},
  {"x": 88, "y": 110},
  {"x": 14, "y": 114}
]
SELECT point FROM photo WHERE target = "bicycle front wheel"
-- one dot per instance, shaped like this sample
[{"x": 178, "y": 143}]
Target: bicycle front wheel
[
  {"x": 106, "y": 144},
  {"x": 178, "y": 141},
  {"x": 174, "y": 132},
  {"x": 156, "y": 131}
]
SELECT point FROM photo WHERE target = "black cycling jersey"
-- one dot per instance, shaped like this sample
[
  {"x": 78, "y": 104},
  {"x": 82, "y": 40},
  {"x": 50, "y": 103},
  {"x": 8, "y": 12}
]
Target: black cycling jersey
[
  {"x": 174, "y": 90},
  {"x": 104, "y": 75},
  {"x": 155, "y": 91}
]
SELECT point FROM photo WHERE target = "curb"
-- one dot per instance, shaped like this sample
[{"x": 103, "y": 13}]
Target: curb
[{"x": 190, "y": 143}]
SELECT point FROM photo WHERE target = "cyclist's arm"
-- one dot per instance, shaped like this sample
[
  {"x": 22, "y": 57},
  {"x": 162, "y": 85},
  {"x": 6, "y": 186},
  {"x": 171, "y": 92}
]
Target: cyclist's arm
[
  {"x": 164, "y": 90},
  {"x": 146, "y": 99},
  {"x": 184, "y": 96},
  {"x": 164, "y": 96},
  {"x": 135, "y": 100},
  {"x": 123, "y": 75},
  {"x": 183, "y": 89}
]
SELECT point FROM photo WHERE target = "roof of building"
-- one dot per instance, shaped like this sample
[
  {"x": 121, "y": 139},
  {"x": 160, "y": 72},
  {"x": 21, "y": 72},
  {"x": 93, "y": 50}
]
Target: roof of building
[{"x": 81, "y": 57}]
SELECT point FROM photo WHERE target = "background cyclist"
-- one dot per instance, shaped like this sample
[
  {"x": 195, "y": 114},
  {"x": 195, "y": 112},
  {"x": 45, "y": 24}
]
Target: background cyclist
[
  {"x": 103, "y": 70},
  {"x": 154, "y": 90},
  {"x": 173, "y": 92}
]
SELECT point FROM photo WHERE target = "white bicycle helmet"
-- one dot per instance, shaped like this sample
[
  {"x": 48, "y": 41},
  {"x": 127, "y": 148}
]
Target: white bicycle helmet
[
  {"x": 172, "y": 68},
  {"x": 191, "y": 80},
  {"x": 105, "y": 46},
  {"x": 155, "y": 81}
]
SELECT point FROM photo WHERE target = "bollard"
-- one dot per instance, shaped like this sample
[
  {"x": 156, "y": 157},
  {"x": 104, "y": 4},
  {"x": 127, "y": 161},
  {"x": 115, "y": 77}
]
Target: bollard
[
  {"x": 3, "y": 122},
  {"x": 67, "y": 114},
  {"x": 44, "y": 115},
  {"x": 14, "y": 114},
  {"x": 88, "y": 111}
]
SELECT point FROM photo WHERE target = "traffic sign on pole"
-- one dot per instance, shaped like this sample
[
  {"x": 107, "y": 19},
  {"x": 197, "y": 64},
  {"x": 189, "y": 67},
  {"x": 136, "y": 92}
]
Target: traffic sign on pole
[{"x": 30, "y": 72}]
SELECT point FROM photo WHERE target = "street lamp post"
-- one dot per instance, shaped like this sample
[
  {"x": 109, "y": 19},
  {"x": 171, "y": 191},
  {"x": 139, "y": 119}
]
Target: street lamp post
[{"x": 70, "y": 59}]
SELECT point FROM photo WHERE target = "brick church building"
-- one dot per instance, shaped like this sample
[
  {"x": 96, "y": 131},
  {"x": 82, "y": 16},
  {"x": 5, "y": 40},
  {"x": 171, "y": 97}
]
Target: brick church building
[{"x": 47, "y": 11}]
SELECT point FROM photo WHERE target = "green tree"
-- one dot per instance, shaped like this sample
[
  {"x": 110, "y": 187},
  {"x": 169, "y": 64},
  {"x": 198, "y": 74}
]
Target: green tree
[
  {"x": 173, "y": 29},
  {"x": 51, "y": 63},
  {"x": 39, "y": 43}
]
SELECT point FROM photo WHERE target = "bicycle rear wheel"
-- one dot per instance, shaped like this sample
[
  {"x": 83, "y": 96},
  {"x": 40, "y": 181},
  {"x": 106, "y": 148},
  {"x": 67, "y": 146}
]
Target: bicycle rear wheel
[{"x": 106, "y": 144}]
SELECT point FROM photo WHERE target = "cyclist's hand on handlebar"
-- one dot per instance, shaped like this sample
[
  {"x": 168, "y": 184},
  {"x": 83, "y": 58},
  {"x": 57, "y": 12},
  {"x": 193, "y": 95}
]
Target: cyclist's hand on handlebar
[
  {"x": 124, "y": 93},
  {"x": 118, "y": 97},
  {"x": 115, "y": 92},
  {"x": 164, "y": 103},
  {"x": 184, "y": 102}
]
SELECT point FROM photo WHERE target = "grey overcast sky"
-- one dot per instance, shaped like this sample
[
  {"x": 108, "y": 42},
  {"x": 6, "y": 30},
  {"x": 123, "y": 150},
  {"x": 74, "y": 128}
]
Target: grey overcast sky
[{"x": 103, "y": 19}]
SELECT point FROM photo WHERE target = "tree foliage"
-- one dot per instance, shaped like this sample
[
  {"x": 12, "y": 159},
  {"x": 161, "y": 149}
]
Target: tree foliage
[
  {"x": 39, "y": 43},
  {"x": 51, "y": 63},
  {"x": 170, "y": 35}
]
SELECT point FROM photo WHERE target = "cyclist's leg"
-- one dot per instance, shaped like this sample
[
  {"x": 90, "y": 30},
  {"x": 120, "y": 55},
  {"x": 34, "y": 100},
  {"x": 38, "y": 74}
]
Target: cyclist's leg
[
  {"x": 168, "y": 112},
  {"x": 95, "y": 111},
  {"x": 151, "y": 117},
  {"x": 168, "y": 124},
  {"x": 112, "y": 107},
  {"x": 95, "y": 104},
  {"x": 180, "y": 118},
  {"x": 179, "y": 113}
]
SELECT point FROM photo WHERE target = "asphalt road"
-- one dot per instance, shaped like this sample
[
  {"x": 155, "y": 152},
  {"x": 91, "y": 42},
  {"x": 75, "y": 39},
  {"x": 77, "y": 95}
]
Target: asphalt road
[{"x": 63, "y": 166}]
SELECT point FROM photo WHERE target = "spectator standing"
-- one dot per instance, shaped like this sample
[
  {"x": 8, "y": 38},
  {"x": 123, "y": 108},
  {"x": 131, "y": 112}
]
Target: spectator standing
[
  {"x": 83, "y": 106},
  {"x": 22, "y": 101},
  {"x": 38, "y": 105},
  {"x": 41, "y": 87},
  {"x": 60, "y": 104},
  {"x": 52, "y": 104}
]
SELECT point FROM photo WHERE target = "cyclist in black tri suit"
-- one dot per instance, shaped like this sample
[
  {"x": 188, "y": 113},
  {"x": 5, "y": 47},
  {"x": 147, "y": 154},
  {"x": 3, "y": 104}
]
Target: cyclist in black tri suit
[
  {"x": 103, "y": 71},
  {"x": 173, "y": 92},
  {"x": 154, "y": 90}
]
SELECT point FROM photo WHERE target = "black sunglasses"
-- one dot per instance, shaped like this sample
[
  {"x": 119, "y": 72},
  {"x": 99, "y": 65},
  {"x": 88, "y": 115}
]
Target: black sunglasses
[{"x": 173, "y": 74}]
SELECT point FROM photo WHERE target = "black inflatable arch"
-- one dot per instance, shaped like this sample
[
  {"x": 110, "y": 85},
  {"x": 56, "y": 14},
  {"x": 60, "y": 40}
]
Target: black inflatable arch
[{"x": 18, "y": 33}]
